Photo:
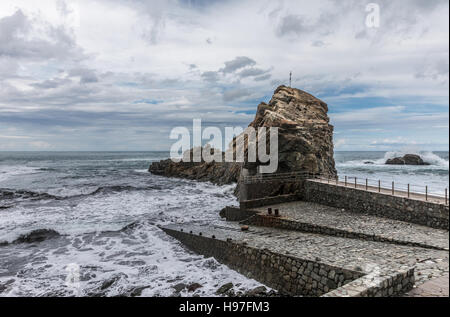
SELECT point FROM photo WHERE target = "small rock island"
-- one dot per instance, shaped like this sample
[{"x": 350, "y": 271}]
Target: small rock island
[{"x": 408, "y": 159}]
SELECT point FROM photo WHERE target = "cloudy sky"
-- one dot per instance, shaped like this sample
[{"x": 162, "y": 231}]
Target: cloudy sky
[{"x": 119, "y": 75}]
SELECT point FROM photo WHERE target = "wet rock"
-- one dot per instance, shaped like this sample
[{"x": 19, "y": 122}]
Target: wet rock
[
  {"x": 193, "y": 287},
  {"x": 5, "y": 286},
  {"x": 224, "y": 289},
  {"x": 37, "y": 236},
  {"x": 137, "y": 291},
  {"x": 257, "y": 291},
  {"x": 179, "y": 287},
  {"x": 408, "y": 159},
  {"x": 112, "y": 280}
]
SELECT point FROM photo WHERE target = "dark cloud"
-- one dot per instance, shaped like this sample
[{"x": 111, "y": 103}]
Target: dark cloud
[
  {"x": 211, "y": 77},
  {"x": 292, "y": 24},
  {"x": 86, "y": 75},
  {"x": 18, "y": 39},
  {"x": 237, "y": 64},
  {"x": 234, "y": 94},
  {"x": 264, "y": 77},
  {"x": 52, "y": 83},
  {"x": 251, "y": 72}
]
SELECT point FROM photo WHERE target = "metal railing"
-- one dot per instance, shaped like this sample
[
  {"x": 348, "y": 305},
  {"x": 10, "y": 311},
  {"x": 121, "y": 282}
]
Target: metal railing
[{"x": 413, "y": 191}]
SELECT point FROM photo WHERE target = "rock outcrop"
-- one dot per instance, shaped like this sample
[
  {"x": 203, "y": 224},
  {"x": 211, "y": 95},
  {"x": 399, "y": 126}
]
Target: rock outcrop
[
  {"x": 305, "y": 141},
  {"x": 408, "y": 159},
  {"x": 216, "y": 172},
  {"x": 305, "y": 137}
]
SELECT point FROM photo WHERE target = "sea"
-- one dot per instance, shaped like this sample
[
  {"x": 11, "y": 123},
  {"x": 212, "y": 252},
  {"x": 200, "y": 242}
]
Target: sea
[{"x": 104, "y": 210}]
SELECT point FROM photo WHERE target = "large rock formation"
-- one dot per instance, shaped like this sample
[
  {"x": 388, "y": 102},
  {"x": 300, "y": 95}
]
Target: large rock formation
[
  {"x": 408, "y": 159},
  {"x": 218, "y": 173},
  {"x": 305, "y": 141}
]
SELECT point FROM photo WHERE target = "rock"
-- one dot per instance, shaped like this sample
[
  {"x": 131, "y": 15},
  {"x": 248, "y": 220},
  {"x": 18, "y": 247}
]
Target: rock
[
  {"x": 193, "y": 287},
  {"x": 305, "y": 137},
  {"x": 179, "y": 287},
  {"x": 258, "y": 291},
  {"x": 137, "y": 291},
  {"x": 37, "y": 236},
  {"x": 369, "y": 163},
  {"x": 244, "y": 228},
  {"x": 112, "y": 280},
  {"x": 408, "y": 159},
  {"x": 5, "y": 286},
  {"x": 216, "y": 172},
  {"x": 224, "y": 288}
]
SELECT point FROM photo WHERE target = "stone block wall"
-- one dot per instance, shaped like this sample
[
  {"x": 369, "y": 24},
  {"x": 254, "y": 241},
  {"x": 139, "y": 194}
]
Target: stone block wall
[
  {"x": 294, "y": 276},
  {"x": 249, "y": 204},
  {"x": 383, "y": 205}
]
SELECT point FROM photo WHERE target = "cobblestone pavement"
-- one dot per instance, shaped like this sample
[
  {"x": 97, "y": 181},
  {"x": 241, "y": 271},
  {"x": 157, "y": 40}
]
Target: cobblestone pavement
[
  {"x": 351, "y": 254},
  {"x": 321, "y": 215},
  {"x": 438, "y": 287}
]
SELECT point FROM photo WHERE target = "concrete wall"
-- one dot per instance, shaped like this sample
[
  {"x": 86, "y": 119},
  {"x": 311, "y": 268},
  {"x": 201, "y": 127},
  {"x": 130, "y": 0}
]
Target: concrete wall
[
  {"x": 355, "y": 200},
  {"x": 294, "y": 276}
]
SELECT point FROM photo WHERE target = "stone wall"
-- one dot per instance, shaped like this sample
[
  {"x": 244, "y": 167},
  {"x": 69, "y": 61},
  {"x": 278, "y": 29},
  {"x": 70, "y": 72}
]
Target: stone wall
[
  {"x": 293, "y": 276},
  {"x": 383, "y": 205},
  {"x": 260, "y": 190},
  {"x": 248, "y": 204}
]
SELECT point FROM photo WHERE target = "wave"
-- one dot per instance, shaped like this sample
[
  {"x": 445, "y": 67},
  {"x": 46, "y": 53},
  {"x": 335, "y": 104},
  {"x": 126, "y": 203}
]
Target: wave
[
  {"x": 428, "y": 157},
  {"x": 9, "y": 171},
  {"x": 37, "y": 235},
  {"x": 436, "y": 162},
  {"x": 13, "y": 194}
]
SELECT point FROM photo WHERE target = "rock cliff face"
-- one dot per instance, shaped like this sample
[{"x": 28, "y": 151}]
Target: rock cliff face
[
  {"x": 305, "y": 140},
  {"x": 305, "y": 137}
]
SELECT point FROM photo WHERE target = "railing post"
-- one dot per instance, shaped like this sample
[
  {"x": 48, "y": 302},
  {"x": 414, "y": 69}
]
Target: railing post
[
  {"x": 408, "y": 190},
  {"x": 446, "y": 196},
  {"x": 426, "y": 193},
  {"x": 393, "y": 191},
  {"x": 379, "y": 186},
  {"x": 367, "y": 184},
  {"x": 345, "y": 181},
  {"x": 355, "y": 183},
  {"x": 337, "y": 180}
]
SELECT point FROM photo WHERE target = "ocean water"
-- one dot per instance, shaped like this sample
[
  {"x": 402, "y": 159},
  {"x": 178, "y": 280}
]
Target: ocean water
[
  {"x": 371, "y": 165},
  {"x": 107, "y": 208}
]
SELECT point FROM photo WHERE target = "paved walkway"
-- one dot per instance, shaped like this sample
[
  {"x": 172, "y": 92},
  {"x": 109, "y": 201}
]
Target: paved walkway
[
  {"x": 320, "y": 215},
  {"x": 387, "y": 191},
  {"x": 351, "y": 254},
  {"x": 437, "y": 287}
]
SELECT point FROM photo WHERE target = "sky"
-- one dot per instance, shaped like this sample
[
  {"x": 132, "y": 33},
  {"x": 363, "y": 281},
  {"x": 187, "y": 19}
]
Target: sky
[{"x": 119, "y": 75}]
